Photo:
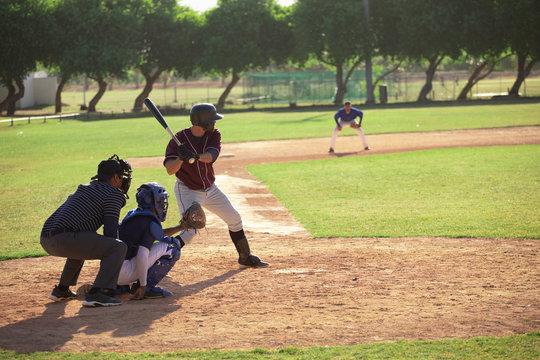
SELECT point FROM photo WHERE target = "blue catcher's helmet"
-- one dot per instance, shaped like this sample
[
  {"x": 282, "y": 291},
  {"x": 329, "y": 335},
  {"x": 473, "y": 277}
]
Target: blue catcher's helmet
[{"x": 153, "y": 196}]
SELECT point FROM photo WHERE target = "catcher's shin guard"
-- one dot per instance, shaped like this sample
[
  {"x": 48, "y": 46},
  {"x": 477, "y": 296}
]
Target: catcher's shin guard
[
  {"x": 245, "y": 257},
  {"x": 162, "y": 266}
]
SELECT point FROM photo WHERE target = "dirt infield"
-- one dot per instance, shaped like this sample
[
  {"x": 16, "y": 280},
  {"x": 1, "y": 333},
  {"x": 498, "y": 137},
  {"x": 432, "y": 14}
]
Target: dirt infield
[{"x": 316, "y": 292}]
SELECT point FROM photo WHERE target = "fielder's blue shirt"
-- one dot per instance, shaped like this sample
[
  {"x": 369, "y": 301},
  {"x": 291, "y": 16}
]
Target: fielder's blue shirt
[{"x": 341, "y": 114}]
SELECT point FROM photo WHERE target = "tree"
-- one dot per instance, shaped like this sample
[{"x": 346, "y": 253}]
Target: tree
[
  {"x": 241, "y": 35},
  {"x": 385, "y": 27},
  {"x": 97, "y": 38},
  {"x": 480, "y": 39},
  {"x": 420, "y": 30},
  {"x": 521, "y": 34},
  {"x": 22, "y": 23},
  {"x": 169, "y": 34},
  {"x": 336, "y": 33}
]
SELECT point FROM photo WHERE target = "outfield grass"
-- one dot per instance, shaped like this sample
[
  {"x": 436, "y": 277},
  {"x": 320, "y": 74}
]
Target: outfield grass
[
  {"x": 465, "y": 192},
  {"x": 518, "y": 347},
  {"x": 43, "y": 162}
]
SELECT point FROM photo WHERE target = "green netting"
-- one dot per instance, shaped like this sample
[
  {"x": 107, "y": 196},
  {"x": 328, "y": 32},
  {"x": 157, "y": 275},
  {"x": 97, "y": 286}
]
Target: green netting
[{"x": 296, "y": 87}]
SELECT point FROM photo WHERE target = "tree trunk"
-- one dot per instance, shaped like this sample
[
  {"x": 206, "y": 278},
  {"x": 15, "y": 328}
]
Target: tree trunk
[
  {"x": 11, "y": 93},
  {"x": 102, "y": 88},
  {"x": 16, "y": 97},
  {"x": 430, "y": 73},
  {"x": 341, "y": 88},
  {"x": 341, "y": 83},
  {"x": 370, "y": 94},
  {"x": 148, "y": 86},
  {"x": 223, "y": 97},
  {"x": 58, "y": 97},
  {"x": 385, "y": 74},
  {"x": 523, "y": 72}
]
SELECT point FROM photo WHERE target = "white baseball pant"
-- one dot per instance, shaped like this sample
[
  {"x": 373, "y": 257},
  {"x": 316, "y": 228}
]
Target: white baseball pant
[
  {"x": 212, "y": 199},
  {"x": 343, "y": 124},
  {"x": 128, "y": 272}
]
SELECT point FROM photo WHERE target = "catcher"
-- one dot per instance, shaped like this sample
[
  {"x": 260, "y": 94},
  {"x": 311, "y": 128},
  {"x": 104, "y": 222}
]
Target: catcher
[
  {"x": 345, "y": 117},
  {"x": 152, "y": 252}
]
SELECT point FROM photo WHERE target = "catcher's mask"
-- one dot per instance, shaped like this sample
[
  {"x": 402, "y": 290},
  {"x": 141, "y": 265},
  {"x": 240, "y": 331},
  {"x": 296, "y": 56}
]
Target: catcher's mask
[
  {"x": 204, "y": 115},
  {"x": 153, "y": 196},
  {"x": 115, "y": 165}
]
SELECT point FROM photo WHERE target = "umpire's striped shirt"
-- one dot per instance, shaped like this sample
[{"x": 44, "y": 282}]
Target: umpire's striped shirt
[{"x": 85, "y": 209}]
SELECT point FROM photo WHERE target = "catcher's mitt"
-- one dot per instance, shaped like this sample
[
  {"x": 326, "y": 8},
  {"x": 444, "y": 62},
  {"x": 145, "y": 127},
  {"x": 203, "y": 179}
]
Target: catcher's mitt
[
  {"x": 356, "y": 125},
  {"x": 194, "y": 217}
]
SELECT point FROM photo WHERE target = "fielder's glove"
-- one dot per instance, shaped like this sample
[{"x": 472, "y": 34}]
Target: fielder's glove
[
  {"x": 356, "y": 125},
  {"x": 185, "y": 154},
  {"x": 194, "y": 217}
]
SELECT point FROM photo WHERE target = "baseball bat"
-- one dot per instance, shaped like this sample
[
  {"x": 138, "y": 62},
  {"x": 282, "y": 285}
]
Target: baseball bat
[{"x": 161, "y": 120}]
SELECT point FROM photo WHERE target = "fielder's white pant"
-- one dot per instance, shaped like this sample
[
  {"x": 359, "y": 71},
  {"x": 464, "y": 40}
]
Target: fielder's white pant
[
  {"x": 212, "y": 199},
  {"x": 128, "y": 272},
  {"x": 343, "y": 124}
]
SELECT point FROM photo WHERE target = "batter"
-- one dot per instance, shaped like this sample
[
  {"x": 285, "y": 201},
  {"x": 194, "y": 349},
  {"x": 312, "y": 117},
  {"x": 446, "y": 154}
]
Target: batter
[{"x": 195, "y": 182}]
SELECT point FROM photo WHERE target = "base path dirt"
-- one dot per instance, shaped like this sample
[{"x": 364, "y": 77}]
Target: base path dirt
[{"x": 337, "y": 291}]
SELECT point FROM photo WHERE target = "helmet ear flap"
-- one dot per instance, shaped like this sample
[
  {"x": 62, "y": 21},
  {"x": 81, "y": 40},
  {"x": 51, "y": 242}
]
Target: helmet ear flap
[{"x": 148, "y": 199}]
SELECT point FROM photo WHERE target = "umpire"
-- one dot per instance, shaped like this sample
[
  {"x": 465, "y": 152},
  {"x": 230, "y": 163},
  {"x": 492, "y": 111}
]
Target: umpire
[{"x": 71, "y": 232}]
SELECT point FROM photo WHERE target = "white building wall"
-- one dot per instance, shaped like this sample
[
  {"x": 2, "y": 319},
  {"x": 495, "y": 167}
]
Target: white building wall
[{"x": 38, "y": 90}]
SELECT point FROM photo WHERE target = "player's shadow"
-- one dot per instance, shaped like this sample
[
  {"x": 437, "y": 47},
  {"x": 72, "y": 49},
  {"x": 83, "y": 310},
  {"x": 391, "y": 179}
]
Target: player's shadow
[
  {"x": 51, "y": 330},
  {"x": 339, "y": 155},
  {"x": 187, "y": 290}
]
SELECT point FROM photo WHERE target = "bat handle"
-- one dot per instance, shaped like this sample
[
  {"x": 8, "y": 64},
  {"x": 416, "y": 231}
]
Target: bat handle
[{"x": 191, "y": 160}]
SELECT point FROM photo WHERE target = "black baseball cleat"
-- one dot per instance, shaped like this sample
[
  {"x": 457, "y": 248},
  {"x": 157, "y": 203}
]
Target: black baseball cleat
[
  {"x": 252, "y": 261},
  {"x": 367, "y": 148},
  {"x": 62, "y": 295},
  {"x": 331, "y": 150},
  {"x": 100, "y": 299}
]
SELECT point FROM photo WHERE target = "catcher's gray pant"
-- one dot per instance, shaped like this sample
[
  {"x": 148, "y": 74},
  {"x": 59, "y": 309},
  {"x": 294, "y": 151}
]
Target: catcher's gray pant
[
  {"x": 80, "y": 246},
  {"x": 343, "y": 124},
  {"x": 212, "y": 199}
]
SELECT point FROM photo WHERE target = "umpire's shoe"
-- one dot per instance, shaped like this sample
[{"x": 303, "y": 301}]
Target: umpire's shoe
[
  {"x": 100, "y": 299},
  {"x": 62, "y": 295}
]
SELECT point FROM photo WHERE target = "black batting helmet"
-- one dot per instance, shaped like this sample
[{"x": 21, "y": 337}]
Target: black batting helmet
[{"x": 204, "y": 115}]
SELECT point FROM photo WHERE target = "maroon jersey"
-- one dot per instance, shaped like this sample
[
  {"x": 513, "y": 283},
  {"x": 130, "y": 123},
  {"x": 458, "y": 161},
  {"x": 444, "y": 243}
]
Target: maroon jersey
[{"x": 199, "y": 175}]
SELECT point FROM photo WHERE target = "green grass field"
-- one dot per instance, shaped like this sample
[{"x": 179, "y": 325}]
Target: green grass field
[
  {"x": 47, "y": 160},
  {"x": 515, "y": 347},
  {"x": 488, "y": 192}
]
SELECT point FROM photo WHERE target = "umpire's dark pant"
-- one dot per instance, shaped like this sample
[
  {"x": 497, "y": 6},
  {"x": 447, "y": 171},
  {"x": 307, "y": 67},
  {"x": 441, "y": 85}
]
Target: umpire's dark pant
[{"x": 80, "y": 246}]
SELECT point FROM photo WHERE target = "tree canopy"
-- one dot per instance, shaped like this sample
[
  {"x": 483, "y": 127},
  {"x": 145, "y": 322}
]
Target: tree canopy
[
  {"x": 242, "y": 35},
  {"x": 333, "y": 31},
  {"x": 105, "y": 38}
]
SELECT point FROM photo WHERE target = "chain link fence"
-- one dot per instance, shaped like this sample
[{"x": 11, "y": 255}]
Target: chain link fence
[{"x": 320, "y": 87}]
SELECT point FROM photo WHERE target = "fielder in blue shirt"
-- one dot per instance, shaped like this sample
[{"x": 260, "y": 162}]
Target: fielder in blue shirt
[{"x": 346, "y": 117}]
